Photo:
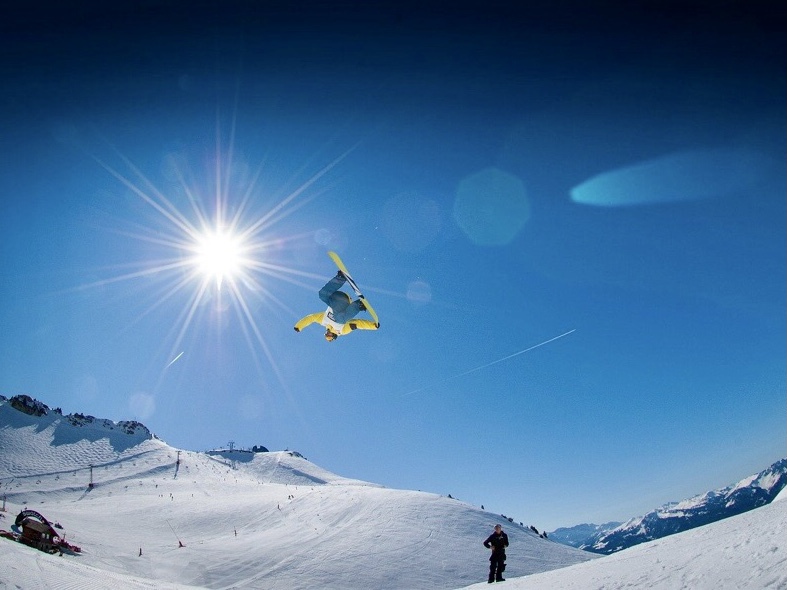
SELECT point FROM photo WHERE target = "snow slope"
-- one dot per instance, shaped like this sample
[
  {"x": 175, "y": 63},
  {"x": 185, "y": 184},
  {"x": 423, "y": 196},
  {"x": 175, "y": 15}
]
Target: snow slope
[
  {"x": 245, "y": 520},
  {"x": 750, "y": 492},
  {"x": 748, "y": 551},
  {"x": 274, "y": 520}
]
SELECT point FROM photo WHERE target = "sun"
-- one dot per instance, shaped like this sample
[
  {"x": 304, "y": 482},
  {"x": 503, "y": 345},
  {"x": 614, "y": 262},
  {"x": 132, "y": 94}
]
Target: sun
[
  {"x": 209, "y": 247},
  {"x": 219, "y": 254}
]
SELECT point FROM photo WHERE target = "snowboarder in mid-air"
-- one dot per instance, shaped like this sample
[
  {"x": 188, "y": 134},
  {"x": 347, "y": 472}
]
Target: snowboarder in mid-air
[
  {"x": 339, "y": 319},
  {"x": 497, "y": 542}
]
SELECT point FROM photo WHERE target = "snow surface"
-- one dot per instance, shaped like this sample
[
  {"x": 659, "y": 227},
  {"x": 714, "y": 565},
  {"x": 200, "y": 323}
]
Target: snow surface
[
  {"x": 744, "y": 551},
  {"x": 276, "y": 521},
  {"x": 246, "y": 520}
]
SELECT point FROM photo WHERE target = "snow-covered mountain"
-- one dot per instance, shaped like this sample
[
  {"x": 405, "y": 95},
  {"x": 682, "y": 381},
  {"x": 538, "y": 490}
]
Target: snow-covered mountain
[
  {"x": 149, "y": 515},
  {"x": 578, "y": 536},
  {"x": 274, "y": 520},
  {"x": 751, "y": 492}
]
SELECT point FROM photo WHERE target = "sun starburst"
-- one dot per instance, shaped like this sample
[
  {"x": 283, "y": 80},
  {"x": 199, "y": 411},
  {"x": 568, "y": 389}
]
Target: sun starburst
[
  {"x": 214, "y": 250},
  {"x": 219, "y": 254}
]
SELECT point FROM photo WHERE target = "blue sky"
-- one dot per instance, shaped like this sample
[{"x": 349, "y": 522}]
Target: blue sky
[{"x": 493, "y": 179}]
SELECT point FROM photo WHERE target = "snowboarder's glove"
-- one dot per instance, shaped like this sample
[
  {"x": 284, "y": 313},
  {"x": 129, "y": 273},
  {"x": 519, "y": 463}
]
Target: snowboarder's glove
[{"x": 296, "y": 328}]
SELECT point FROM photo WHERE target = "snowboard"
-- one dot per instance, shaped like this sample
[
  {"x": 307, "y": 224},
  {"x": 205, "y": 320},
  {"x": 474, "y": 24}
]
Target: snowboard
[{"x": 335, "y": 257}]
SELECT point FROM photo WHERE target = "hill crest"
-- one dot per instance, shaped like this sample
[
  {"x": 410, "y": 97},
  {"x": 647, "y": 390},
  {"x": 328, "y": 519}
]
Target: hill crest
[{"x": 272, "y": 520}]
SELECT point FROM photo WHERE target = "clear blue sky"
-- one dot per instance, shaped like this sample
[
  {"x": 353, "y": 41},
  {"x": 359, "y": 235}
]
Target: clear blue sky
[{"x": 492, "y": 178}]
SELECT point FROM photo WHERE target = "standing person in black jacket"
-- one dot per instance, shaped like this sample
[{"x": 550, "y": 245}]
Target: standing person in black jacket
[{"x": 497, "y": 541}]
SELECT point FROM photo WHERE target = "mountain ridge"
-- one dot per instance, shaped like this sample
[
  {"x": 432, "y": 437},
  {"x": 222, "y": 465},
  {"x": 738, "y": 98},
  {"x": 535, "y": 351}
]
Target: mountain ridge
[
  {"x": 675, "y": 517},
  {"x": 231, "y": 518}
]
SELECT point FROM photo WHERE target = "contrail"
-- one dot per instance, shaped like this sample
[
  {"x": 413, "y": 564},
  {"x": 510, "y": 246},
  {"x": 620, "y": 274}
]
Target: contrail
[
  {"x": 173, "y": 360},
  {"x": 505, "y": 358}
]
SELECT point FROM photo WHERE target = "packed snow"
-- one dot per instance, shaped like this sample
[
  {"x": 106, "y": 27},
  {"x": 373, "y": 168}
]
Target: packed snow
[
  {"x": 747, "y": 551},
  {"x": 161, "y": 518}
]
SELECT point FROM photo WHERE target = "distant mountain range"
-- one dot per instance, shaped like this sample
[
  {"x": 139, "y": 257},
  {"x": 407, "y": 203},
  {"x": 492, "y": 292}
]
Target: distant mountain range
[
  {"x": 578, "y": 536},
  {"x": 751, "y": 492}
]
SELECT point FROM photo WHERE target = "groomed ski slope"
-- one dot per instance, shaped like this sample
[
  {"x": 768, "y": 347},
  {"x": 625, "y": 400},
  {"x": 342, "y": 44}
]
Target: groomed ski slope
[
  {"x": 245, "y": 520},
  {"x": 748, "y": 551},
  {"x": 300, "y": 526}
]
